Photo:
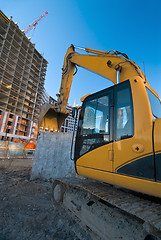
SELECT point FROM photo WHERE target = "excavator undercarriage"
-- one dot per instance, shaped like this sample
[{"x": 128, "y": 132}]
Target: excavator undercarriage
[{"x": 109, "y": 212}]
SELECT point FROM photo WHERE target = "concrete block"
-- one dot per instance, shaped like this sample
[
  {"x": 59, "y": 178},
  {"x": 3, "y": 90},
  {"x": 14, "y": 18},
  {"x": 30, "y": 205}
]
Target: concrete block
[{"x": 52, "y": 156}]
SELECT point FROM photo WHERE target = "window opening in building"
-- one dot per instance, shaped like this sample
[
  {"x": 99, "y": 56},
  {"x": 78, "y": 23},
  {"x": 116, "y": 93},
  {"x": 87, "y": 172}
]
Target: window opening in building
[{"x": 11, "y": 115}]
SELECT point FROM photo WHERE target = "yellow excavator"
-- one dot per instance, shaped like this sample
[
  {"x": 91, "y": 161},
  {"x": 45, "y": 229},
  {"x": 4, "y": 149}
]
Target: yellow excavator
[
  {"x": 119, "y": 128},
  {"x": 118, "y": 140}
]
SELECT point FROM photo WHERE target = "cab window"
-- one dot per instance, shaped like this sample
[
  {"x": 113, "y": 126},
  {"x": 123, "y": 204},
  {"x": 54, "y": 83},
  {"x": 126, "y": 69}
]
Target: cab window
[
  {"x": 96, "y": 116},
  {"x": 94, "y": 123},
  {"x": 124, "y": 127},
  {"x": 155, "y": 104}
]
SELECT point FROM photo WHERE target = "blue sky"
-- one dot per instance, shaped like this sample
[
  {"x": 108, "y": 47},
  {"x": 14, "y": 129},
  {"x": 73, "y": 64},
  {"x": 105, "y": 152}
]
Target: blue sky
[{"x": 133, "y": 27}]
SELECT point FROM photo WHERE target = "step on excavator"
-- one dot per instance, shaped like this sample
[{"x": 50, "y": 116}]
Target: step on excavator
[{"x": 118, "y": 143}]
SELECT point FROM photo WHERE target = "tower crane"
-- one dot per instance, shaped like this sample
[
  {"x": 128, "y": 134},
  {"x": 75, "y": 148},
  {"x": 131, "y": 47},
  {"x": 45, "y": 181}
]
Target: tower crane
[{"x": 33, "y": 25}]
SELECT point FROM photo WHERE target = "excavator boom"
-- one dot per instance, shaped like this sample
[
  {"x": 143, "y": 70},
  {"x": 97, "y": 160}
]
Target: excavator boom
[{"x": 113, "y": 65}]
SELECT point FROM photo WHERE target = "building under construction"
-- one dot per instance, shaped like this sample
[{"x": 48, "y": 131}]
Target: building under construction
[{"x": 22, "y": 76}]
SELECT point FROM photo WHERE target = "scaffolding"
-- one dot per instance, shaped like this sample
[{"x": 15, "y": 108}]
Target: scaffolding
[{"x": 22, "y": 76}]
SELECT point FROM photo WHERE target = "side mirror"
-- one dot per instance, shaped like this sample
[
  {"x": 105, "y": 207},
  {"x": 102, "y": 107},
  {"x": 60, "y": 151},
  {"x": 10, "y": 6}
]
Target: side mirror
[{"x": 74, "y": 112}]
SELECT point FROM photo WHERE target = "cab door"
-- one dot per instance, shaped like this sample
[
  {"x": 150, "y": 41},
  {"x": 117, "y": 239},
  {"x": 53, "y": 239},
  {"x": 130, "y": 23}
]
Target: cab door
[
  {"x": 95, "y": 134},
  {"x": 133, "y": 147}
]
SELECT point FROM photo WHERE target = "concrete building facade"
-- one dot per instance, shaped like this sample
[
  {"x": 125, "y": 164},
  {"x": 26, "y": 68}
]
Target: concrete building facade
[
  {"x": 22, "y": 76},
  {"x": 69, "y": 123}
]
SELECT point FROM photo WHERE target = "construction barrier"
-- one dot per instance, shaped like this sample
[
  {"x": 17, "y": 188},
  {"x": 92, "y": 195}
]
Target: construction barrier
[{"x": 15, "y": 150}]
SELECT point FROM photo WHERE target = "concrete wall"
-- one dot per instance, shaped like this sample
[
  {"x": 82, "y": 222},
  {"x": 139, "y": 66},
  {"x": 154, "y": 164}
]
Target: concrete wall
[{"x": 52, "y": 156}]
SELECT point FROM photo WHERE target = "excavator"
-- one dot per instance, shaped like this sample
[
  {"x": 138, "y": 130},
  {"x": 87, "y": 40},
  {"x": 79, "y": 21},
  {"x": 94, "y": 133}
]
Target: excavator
[{"x": 118, "y": 139}]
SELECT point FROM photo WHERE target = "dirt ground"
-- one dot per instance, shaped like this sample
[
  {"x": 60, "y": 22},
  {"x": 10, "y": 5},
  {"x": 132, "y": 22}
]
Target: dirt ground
[{"x": 27, "y": 211}]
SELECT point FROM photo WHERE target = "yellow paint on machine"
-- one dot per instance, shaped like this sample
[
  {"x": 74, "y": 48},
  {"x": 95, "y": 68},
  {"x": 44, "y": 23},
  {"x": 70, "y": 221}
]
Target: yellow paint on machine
[
  {"x": 135, "y": 184},
  {"x": 98, "y": 158},
  {"x": 95, "y": 164}
]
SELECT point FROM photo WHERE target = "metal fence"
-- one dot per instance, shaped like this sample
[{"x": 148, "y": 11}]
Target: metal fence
[{"x": 15, "y": 150}]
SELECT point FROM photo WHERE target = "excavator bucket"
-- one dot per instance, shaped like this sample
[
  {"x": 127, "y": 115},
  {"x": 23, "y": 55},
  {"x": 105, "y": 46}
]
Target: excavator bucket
[{"x": 50, "y": 118}]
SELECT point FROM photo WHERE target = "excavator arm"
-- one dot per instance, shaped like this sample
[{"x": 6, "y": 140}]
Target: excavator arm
[{"x": 113, "y": 65}]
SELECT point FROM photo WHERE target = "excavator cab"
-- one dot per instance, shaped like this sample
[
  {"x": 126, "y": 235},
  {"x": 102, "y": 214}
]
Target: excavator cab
[{"x": 115, "y": 141}]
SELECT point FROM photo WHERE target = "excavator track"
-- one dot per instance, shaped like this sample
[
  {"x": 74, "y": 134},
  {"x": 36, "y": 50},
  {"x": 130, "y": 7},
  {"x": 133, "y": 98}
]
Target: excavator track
[{"x": 146, "y": 211}]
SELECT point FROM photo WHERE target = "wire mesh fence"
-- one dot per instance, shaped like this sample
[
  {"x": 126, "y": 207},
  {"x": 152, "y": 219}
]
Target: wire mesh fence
[{"x": 15, "y": 150}]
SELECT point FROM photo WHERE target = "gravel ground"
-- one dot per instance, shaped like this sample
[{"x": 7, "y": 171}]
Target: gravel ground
[{"x": 27, "y": 211}]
